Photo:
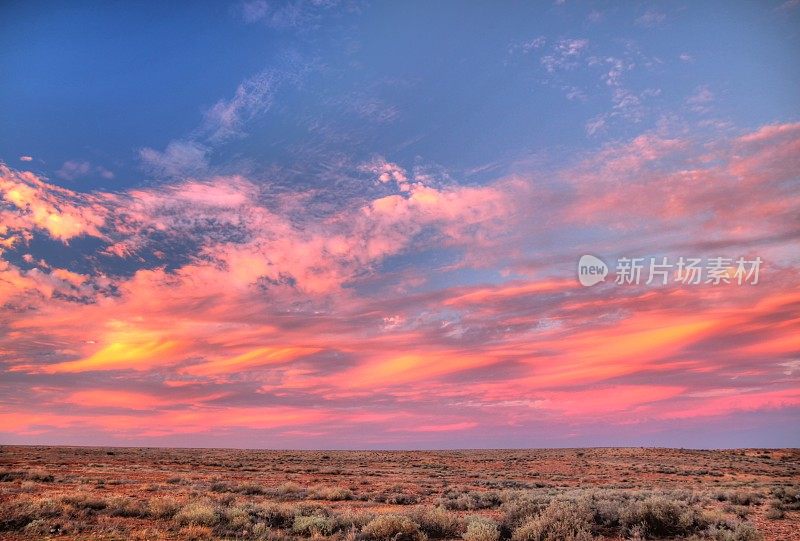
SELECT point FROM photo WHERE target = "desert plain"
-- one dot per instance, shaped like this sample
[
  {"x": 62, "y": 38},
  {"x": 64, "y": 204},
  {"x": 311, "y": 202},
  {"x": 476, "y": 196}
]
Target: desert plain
[{"x": 84, "y": 493}]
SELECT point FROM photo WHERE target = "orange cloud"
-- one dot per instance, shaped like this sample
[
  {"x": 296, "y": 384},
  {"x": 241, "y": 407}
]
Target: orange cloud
[
  {"x": 250, "y": 360},
  {"x": 307, "y": 307},
  {"x": 31, "y": 204}
]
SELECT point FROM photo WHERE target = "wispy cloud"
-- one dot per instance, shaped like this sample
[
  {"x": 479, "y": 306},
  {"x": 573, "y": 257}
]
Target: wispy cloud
[
  {"x": 650, "y": 18},
  {"x": 75, "y": 169},
  {"x": 253, "y": 96},
  {"x": 180, "y": 159}
]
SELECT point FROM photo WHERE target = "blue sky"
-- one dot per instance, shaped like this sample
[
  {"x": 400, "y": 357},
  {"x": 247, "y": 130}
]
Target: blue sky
[{"x": 459, "y": 86}]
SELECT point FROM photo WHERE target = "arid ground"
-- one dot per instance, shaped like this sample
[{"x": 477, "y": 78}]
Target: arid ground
[{"x": 521, "y": 495}]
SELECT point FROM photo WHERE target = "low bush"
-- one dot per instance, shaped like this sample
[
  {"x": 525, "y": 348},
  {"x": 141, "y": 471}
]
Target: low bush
[
  {"x": 40, "y": 475},
  {"x": 313, "y": 525},
  {"x": 197, "y": 514},
  {"x": 470, "y": 501},
  {"x": 789, "y": 497},
  {"x": 393, "y": 528},
  {"x": 437, "y": 522},
  {"x": 350, "y": 519},
  {"x": 290, "y": 491},
  {"x": 743, "y": 531},
  {"x": 659, "y": 517},
  {"x": 237, "y": 519},
  {"x": 274, "y": 515},
  {"x": 122, "y": 506},
  {"x": 516, "y": 511},
  {"x": 82, "y": 500},
  {"x": 560, "y": 521},
  {"x": 17, "y": 514},
  {"x": 195, "y": 532},
  {"x": 332, "y": 494},
  {"x": 481, "y": 529},
  {"x": 163, "y": 507}
]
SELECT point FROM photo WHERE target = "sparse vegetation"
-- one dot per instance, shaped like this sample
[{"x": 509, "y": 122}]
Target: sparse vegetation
[{"x": 143, "y": 494}]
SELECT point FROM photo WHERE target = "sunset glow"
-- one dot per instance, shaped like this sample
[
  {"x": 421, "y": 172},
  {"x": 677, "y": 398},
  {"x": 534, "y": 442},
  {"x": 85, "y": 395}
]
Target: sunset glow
[{"x": 324, "y": 232}]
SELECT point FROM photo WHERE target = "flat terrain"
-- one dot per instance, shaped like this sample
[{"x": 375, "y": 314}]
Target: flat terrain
[{"x": 522, "y": 495}]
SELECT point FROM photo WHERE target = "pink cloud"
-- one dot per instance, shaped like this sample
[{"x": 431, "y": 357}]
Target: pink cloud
[{"x": 293, "y": 320}]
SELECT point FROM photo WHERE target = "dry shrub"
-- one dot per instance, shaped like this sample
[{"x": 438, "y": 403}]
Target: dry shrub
[
  {"x": 481, "y": 529},
  {"x": 393, "y": 527},
  {"x": 260, "y": 530},
  {"x": 333, "y": 494},
  {"x": 85, "y": 500},
  {"x": 274, "y": 515},
  {"x": 560, "y": 521},
  {"x": 122, "y": 506},
  {"x": 351, "y": 519},
  {"x": 144, "y": 534},
  {"x": 740, "y": 497},
  {"x": 775, "y": 513},
  {"x": 658, "y": 517},
  {"x": 250, "y": 489},
  {"x": 744, "y": 531},
  {"x": 290, "y": 491},
  {"x": 42, "y": 527},
  {"x": 39, "y": 475},
  {"x": 195, "y": 532},
  {"x": 163, "y": 507},
  {"x": 17, "y": 514},
  {"x": 437, "y": 522},
  {"x": 518, "y": 510},
  {"x": 197, "y": 514},
  {"x": 788, "y": 497},
  {"x": 238, "y": 519},
  {"x": 28, "y": 486},
  {"x": 471, "y": 501},
  {"x": 313, "y": 525}
]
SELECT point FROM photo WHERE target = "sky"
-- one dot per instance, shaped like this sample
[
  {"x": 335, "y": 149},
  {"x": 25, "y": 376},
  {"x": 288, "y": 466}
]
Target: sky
[{"x": 353, "y": 225}]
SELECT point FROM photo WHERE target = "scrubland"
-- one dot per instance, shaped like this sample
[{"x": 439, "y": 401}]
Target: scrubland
[{"x": 497, "y": 495}]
